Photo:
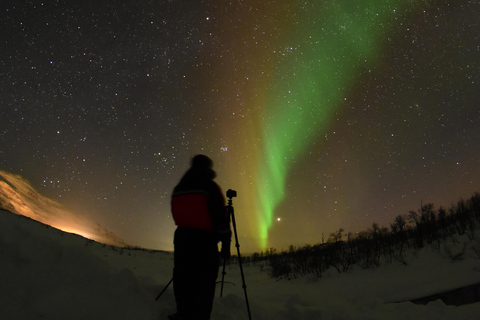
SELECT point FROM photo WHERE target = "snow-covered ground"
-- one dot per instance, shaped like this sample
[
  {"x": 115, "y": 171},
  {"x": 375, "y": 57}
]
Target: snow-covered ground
[{"x": 49, "y": 274}]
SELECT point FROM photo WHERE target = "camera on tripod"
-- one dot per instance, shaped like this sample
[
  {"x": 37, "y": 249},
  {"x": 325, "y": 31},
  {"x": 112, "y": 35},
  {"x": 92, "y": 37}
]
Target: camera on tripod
[{"x": 231, "y": 193}]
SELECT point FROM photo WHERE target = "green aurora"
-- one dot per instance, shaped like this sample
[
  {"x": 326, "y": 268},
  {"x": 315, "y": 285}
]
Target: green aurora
[{"x": 328, "y": 49}]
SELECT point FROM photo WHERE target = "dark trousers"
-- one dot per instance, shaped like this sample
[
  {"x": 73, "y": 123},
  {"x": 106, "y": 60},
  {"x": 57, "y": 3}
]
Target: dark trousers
[{"x": 196, "y": 264}]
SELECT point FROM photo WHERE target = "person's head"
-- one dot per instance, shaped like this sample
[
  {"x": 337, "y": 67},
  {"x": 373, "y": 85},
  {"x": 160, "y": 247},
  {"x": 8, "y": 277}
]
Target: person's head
[
  {"x": 203, "y": 164},
  {"x": 201, "y": 161}
]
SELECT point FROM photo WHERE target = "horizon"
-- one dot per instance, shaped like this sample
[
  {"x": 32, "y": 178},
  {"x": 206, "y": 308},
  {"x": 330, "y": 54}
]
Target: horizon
[{"x": 61, "y": 219}]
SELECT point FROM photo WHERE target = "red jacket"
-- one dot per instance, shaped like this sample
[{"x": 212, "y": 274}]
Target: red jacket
[
  {"x": 198, "y": 203},
  {"x": 190, "y": 210}
]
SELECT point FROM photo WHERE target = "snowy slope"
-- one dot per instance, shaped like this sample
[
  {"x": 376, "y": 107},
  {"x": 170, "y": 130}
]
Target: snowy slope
[
  {"x": 48, "y": 274},
  {"x": 18, "y": 196}
]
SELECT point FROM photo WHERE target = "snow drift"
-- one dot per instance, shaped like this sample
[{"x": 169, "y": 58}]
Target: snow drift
[{"x": 49, "y": 274}]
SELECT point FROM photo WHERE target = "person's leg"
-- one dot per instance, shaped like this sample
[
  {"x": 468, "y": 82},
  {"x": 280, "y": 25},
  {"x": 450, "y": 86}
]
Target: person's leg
[
  {"x": 196, "y": 264},
  {"x": 207, "y": 276},
  {"x": 182, "y": 275}
]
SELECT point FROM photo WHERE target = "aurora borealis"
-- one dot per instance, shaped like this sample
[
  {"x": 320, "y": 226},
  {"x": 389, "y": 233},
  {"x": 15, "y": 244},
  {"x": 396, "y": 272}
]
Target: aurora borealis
[
  {"x": 321, "y": 114},
  {"x": 315, "y": 76}
]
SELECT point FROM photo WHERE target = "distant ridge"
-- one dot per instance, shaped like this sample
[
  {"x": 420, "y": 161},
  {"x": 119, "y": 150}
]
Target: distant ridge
[{"x": 19, "y": 197}]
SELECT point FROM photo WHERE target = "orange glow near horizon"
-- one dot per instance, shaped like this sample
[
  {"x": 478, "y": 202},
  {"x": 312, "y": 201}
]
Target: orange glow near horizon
[
  {"x": 77, "y": 232},
  {"x": 17, "y": 196}
]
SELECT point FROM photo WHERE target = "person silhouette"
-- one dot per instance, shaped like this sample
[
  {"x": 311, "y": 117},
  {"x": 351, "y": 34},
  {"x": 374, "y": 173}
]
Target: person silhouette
[{"x": 199, "y": 211}]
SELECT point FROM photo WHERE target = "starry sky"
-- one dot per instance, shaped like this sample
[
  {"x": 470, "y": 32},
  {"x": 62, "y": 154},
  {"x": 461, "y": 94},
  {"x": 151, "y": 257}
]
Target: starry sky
[{"x": 320, "y": 114}]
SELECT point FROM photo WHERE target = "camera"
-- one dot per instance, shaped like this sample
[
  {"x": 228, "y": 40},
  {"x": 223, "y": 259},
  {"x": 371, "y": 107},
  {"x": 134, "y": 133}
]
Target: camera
[{"x": 231, "y": 193}]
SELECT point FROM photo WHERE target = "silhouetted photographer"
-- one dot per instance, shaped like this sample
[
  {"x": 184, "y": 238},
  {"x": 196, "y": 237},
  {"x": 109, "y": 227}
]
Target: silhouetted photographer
[{"x": 199, "y": 211}]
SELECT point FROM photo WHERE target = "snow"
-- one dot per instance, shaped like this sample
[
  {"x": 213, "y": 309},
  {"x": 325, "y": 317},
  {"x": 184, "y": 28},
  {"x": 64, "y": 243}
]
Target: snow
[{"x": 50, "y": 274}]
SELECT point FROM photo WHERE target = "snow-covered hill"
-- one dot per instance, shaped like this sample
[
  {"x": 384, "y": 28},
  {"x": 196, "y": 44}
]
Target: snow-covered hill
[
  {"x": 49, "y": 274},
  {"x": 18, "y": 196}
]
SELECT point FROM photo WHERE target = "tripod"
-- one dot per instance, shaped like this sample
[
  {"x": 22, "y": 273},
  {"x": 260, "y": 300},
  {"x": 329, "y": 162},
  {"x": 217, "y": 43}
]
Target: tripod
[{"x": 230, "y": 194}]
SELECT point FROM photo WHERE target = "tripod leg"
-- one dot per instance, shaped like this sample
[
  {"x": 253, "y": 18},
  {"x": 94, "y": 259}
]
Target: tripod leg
[
  {"x": 223, "y": 276},
  {"x": 164, "y": 289},
  {"x": 240, "y": 262}
]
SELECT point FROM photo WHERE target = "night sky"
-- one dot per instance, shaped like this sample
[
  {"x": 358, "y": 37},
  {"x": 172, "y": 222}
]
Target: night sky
[{"x": 321, "y": 114}]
